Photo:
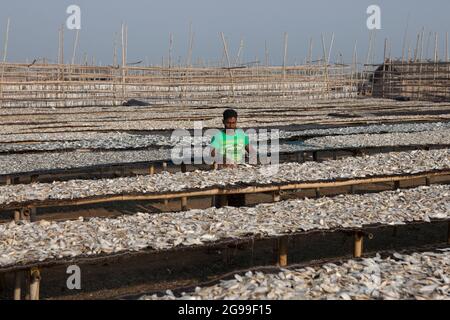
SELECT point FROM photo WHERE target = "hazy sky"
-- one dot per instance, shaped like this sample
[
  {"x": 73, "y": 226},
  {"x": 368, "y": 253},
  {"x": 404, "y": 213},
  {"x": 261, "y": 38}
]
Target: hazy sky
[{"x": 34, "y": 27}]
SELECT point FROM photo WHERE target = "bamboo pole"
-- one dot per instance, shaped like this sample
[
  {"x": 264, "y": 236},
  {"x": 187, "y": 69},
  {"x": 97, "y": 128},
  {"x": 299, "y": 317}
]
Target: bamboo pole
[
  {"x": 384, "y": 68},
  {"x": 5, "y": 54},
  {"x": 115, "y": 62},
  {"x": 35, "y": 279},
  {"x": 225, "y": 48},
  {"x": 369, "y": 50},
  {"x": 5, "y": 47},
  {"x": 448, "y": 67},
  {"x": 446, "y": 47},
  {"x": 61, "y": 46},
  {"x": 422, "y": 34},
  {"x": 325, "y": 61},
  {"x": 405, "y": 39},
  {"x": 123, "y": 60},
  {"x": 123, "y": 53},
  {"x": 354, "y": 66},
  {"x": 266, "y": 53},
  {"x": 416, "y": 51},
  {"x": 75, "y": 46},
  {"x": 285, "y": 54},
  {"x": 238, "y": 56},
  {"x": 170, "y": 50},
  {"x": 126, "y": 45},
  {"x": 419, "y": 89},
  {"x": 310, "y": 51},
  {"x": 436, "y": 55},
  {"x": 331, "y": 48},
  {"x": 190, "y": 46},
  {"x": 428, "y": 44}
]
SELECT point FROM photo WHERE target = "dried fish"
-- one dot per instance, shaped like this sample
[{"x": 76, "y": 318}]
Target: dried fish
[
  {"x": 48, "y": 240},
  {"x": 394, "y": 280},
  {"x": 357, "y": 167}
]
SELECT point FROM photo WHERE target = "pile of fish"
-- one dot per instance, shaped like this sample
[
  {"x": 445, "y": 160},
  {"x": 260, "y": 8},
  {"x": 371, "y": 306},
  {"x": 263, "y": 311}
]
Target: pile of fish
[
  {"x": 28, "y": 163},
  {"x": 295, "y": 113},
  {"x": 386, "y": 139},
  {"x": 39, "y": 241},
  {"x": 420, "y": 276},
  {"x": 13, "y": 163},
  {"x": 375, "y": 128},
  {"x": 120, "y": 140},
  {"x": 393, "y": 163}
]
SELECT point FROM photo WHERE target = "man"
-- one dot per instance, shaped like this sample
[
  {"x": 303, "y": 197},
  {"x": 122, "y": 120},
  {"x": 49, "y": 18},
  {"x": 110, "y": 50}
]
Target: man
[{"x": 228, "y": 147}]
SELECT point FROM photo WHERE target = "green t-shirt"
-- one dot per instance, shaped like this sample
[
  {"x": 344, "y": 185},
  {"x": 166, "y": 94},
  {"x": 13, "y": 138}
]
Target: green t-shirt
[{"x": 232, "y": 147}]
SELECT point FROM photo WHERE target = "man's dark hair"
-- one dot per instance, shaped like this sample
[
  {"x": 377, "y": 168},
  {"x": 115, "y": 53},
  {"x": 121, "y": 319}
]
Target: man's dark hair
[{"x": 229, "y": 113}]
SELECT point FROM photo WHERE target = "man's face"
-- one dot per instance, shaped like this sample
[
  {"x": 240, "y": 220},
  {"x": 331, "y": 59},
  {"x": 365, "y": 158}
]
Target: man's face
[{"x": 230, "y": 123}]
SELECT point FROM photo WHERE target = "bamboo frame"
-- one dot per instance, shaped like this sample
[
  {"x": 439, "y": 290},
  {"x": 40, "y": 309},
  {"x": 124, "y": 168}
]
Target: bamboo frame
[{"x": 94, "y": 84}]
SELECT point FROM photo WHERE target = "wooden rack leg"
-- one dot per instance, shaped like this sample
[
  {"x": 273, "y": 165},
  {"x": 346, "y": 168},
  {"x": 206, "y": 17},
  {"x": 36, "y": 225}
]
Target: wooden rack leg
[
  {"x": 315, "y": 156},
  {"x": 2, "y": 284},
  {"x": 26, "y": 214},
  {"x": 35, "y": 279},
  {"x": 184, "y": 206},
  {"x": 33, "y": 213},
  {"x": 151, "y": 170},
  {"x": 448, "y": 233},
  {"x": 396, "y": 185},
  {"x": 17, "y": 215},
  {"x": 166, "y": 203},
  {"x": 358, "y": 247},
  {"x": 221, "y": 201},
  {"x": 18, "y": 285},
  {"x": 427, "y": 181},
  {"x": 226, "y": 256},
  {"x": 317, "y": 191},
  {"x": 164, "y": 165},
  {"x": 27, "y": 285},
  {"x": 283, "y": 252},
  {"x": 276, "y": 197},
  {"x": 183, "y": 167},
  {"x": 8, "y": 180}
]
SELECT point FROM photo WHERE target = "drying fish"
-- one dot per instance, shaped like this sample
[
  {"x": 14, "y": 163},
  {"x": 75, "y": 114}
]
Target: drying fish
[
  {"x": 41, "y": 241},
  {"x": 356, "y": 167},
  {"x": 407, "y": 279}
]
